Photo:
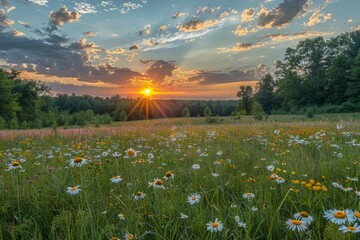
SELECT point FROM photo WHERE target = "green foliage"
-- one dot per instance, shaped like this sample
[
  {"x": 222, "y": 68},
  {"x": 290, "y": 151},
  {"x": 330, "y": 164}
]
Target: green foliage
[
  {"x": 310, "y": 113},
  {"x": 185, "y": 112},
  {"x": 207, "y": 112},
  {"x": 2, "y": 123},
  {"x": 123, "y": 116},
  {"x": 245, "y": 94},
  {"x": 257, "y": 111},
  {"x": 264, "y": 94}
]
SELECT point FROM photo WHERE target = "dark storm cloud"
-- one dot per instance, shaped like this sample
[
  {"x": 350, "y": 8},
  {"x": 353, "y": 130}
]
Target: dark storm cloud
[
  {"x": 55, "y": 56},
  {"x": 133, "y": 47},
  {"x": 213, "y": 77},
  {"x": 159, "y": 70},
  {"x": 282, "y": 14},
  {"x": 4, "y": 20}
]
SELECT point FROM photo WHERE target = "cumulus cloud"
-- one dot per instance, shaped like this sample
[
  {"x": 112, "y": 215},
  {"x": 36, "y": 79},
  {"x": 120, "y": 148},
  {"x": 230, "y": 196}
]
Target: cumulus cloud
[
  {"x": 159, "y": 70},
  {"x": 163, "y": 28},
  {"x": 197, "y": 25},
  {"x": 318, "y": 17},
  {"x": 18, "y": 33},
  {"x": 240, "y": 47},
  {"x": 40, "y": 2},
  {"x": 240, "y": 31},
  {"x": 241, "y": 75},
  {"x": 63, "y": 16},
  {"x": 296, "y": 36},
  {"x": 178, "y": 14},
  {"x": 116, "y": 51},
  {"x": 282, "y": 14},
  {"x": 133, "y": 47},
  {"x": 146, "y": 30},
  {"x": 83, "y": 8},
  {"x": 248, "y": 15},
  {"x": 128, "y": 6},
  {"x": 4, "y": 20}
]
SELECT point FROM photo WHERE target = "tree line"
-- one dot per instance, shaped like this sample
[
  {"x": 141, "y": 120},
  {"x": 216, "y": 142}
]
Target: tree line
[{"x": 318, "y": 75}]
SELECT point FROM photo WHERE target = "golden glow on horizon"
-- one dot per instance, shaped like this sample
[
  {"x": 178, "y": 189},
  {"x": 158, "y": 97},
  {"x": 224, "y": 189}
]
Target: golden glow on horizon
[{"x": 147, "y": 92}]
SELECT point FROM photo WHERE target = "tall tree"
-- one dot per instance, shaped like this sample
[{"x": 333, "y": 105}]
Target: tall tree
[
  {"x": 245, "y": 94},
  {"x": 264, "y": 93},
  {"x": 353, "y": 91}
]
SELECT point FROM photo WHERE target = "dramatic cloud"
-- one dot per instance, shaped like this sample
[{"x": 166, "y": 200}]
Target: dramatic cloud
[
  {"x": 197, "y": 25},
  {"x": 240, "y": 31},
  {"x": 281, "y": 15},
  {"x": 318, "y": 17},
  {"x": 163, "y": 28},
  {"x": 4, "y": 20},
  {"x": 116, "y": 51},
  {"x": 159, "y": 70},
  {"x": 296, "y": 36},
  {"x": 207, "y": 9},
  {"x": 215, "y": 77},
  {"x": 4, "y": 3},
  {"x": 248, "y": 15},
  {"x": 128, "y": 6},
  {"x": 84, "y": 8},
  {"x": 63, "y": 16},
  {"x": 133, "y": 47},
  {"x": 52, "y": 57},
  {"x": 240, "y": 47},
  {"x": 39, "y": 2},
  {"x": 146, "y": 30},
  {"x": 18, "y": 33},
  {"x": 178, "y": 14}
]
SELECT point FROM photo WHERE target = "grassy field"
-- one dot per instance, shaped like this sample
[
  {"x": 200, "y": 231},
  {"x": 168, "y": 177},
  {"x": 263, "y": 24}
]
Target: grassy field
[{"x": 284, "y": 178}]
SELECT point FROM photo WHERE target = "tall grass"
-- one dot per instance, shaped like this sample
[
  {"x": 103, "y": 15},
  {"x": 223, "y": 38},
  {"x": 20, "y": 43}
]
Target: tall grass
[{"x": 309, "y": 156}]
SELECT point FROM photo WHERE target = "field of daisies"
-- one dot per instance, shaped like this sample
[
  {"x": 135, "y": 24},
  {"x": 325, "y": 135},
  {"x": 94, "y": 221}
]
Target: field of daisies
[{"x": 234, "y": 181}]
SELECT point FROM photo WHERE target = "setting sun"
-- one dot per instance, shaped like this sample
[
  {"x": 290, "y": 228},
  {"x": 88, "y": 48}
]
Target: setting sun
[{"x": 147, "y": 92}]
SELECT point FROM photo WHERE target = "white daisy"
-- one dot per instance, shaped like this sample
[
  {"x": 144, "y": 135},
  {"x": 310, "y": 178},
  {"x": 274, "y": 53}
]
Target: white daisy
[
  {"x": 248, "y": 196},
  {"x": 339, "y": 217},
  {"x": 352, "y": 229},
  {"x": 296, "y": 225},
  {"x": 304, "y": 217},
  {"x": 139, "y": 195},
  {"x": 78, "y": 162},
  {"x": 215, "y": 226},
  {"x": 196, "y": 167},
  {"x": 194, "y": 198},
  {"x": 73, "y": 190},
  {"x": 116, "y": 179}
]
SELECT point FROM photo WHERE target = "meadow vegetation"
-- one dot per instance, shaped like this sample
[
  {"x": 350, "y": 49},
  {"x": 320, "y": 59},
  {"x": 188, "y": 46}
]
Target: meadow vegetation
[{"x": 172, "y": 179}]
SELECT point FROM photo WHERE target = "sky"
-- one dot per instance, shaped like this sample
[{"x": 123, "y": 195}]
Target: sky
[{"x": 188, "y": 49}]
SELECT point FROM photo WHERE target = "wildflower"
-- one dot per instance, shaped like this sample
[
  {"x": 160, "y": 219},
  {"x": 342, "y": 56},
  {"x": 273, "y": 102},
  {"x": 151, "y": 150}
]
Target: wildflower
[
  {"x": 304, "y": 217},
  {"x": 240, "y": 223},
  {"x": 339, "y": 127},
  {"x": 14, "y": 165},
  {"x": 338, "y": 217},
  {"x": 129, "y": 236},
  {"x": 353, "y": 229},
  {"x": 194, "y": 198},
  {"x": 150, "y": 156},
  {"x": 270, "y": 168},
  {"x": 280, "y": 180},
  {"x": 215, "y": 226},
  {"x": 121, "y": 216},
  {"x": 219, "y": 153},
  {"x": 337, "y": 185},
  {"x": 196, "y": 167},
  {"x": 78, "y": 162},
  {"x": 347, "y": 189},
  {"x": 130, "y": 153},
  {"x": 215, "y": 174},
  {"x": 116, "y": 179},
  {"x": 254, "y": 209},
  {"x": 357, "y": 193},
  {"x": 157, "y": 184},
  {"x": 116, "y": 154},
  {"x": 248, "y": 196},
  {"x": 169, "y": 175},
  {"x": 183, "y": 216},
  {"x": 296, "y": 225},
  {"x": 352, "y": 179},
  {"x": 73, "y": 190},
  {"x": 115, "y": 238},
  {"x": 139, "y": 195}
]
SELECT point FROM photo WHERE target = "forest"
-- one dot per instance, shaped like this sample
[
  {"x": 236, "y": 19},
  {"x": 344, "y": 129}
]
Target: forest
[{"x": 318, "y": 75}]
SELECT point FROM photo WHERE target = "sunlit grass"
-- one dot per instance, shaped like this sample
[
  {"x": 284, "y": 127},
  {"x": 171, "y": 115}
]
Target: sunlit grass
[{"x": 289, "y": 168}]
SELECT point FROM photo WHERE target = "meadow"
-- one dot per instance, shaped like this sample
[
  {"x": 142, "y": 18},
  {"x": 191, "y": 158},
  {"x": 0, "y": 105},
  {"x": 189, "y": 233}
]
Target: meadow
[{"x": 183, "y": 179}]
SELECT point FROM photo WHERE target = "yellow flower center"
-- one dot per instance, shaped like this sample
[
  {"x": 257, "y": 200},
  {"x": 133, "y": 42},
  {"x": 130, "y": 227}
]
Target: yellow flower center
[
  {"x": 114, "y": 238},
  {"x": 357, "y": 214},
  {"x": 248, "y": 193},
  {"x": 139, "y": 194},
  {"x": 280, "y": 178},
  {"x": 351, "y": 228},
  {"x": 214, "y": 224},
  {"x": 340, "y": 214},
  {"x": 193, "y": 198},
  {"x": 15, "y": 163},
  {"x": 304, "y": 214},
  {"x": 296, "y": 222},
  {"x": 168, "y": 174},
  {"x": 78, "y": 160},
  {"x": 116, "y": 177},
  {"x": 130, "y": 236},
  {"x": 73, "y": 188},
  {"x": 131, "y": 153},
  {"x": 158, "y": 182}
]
